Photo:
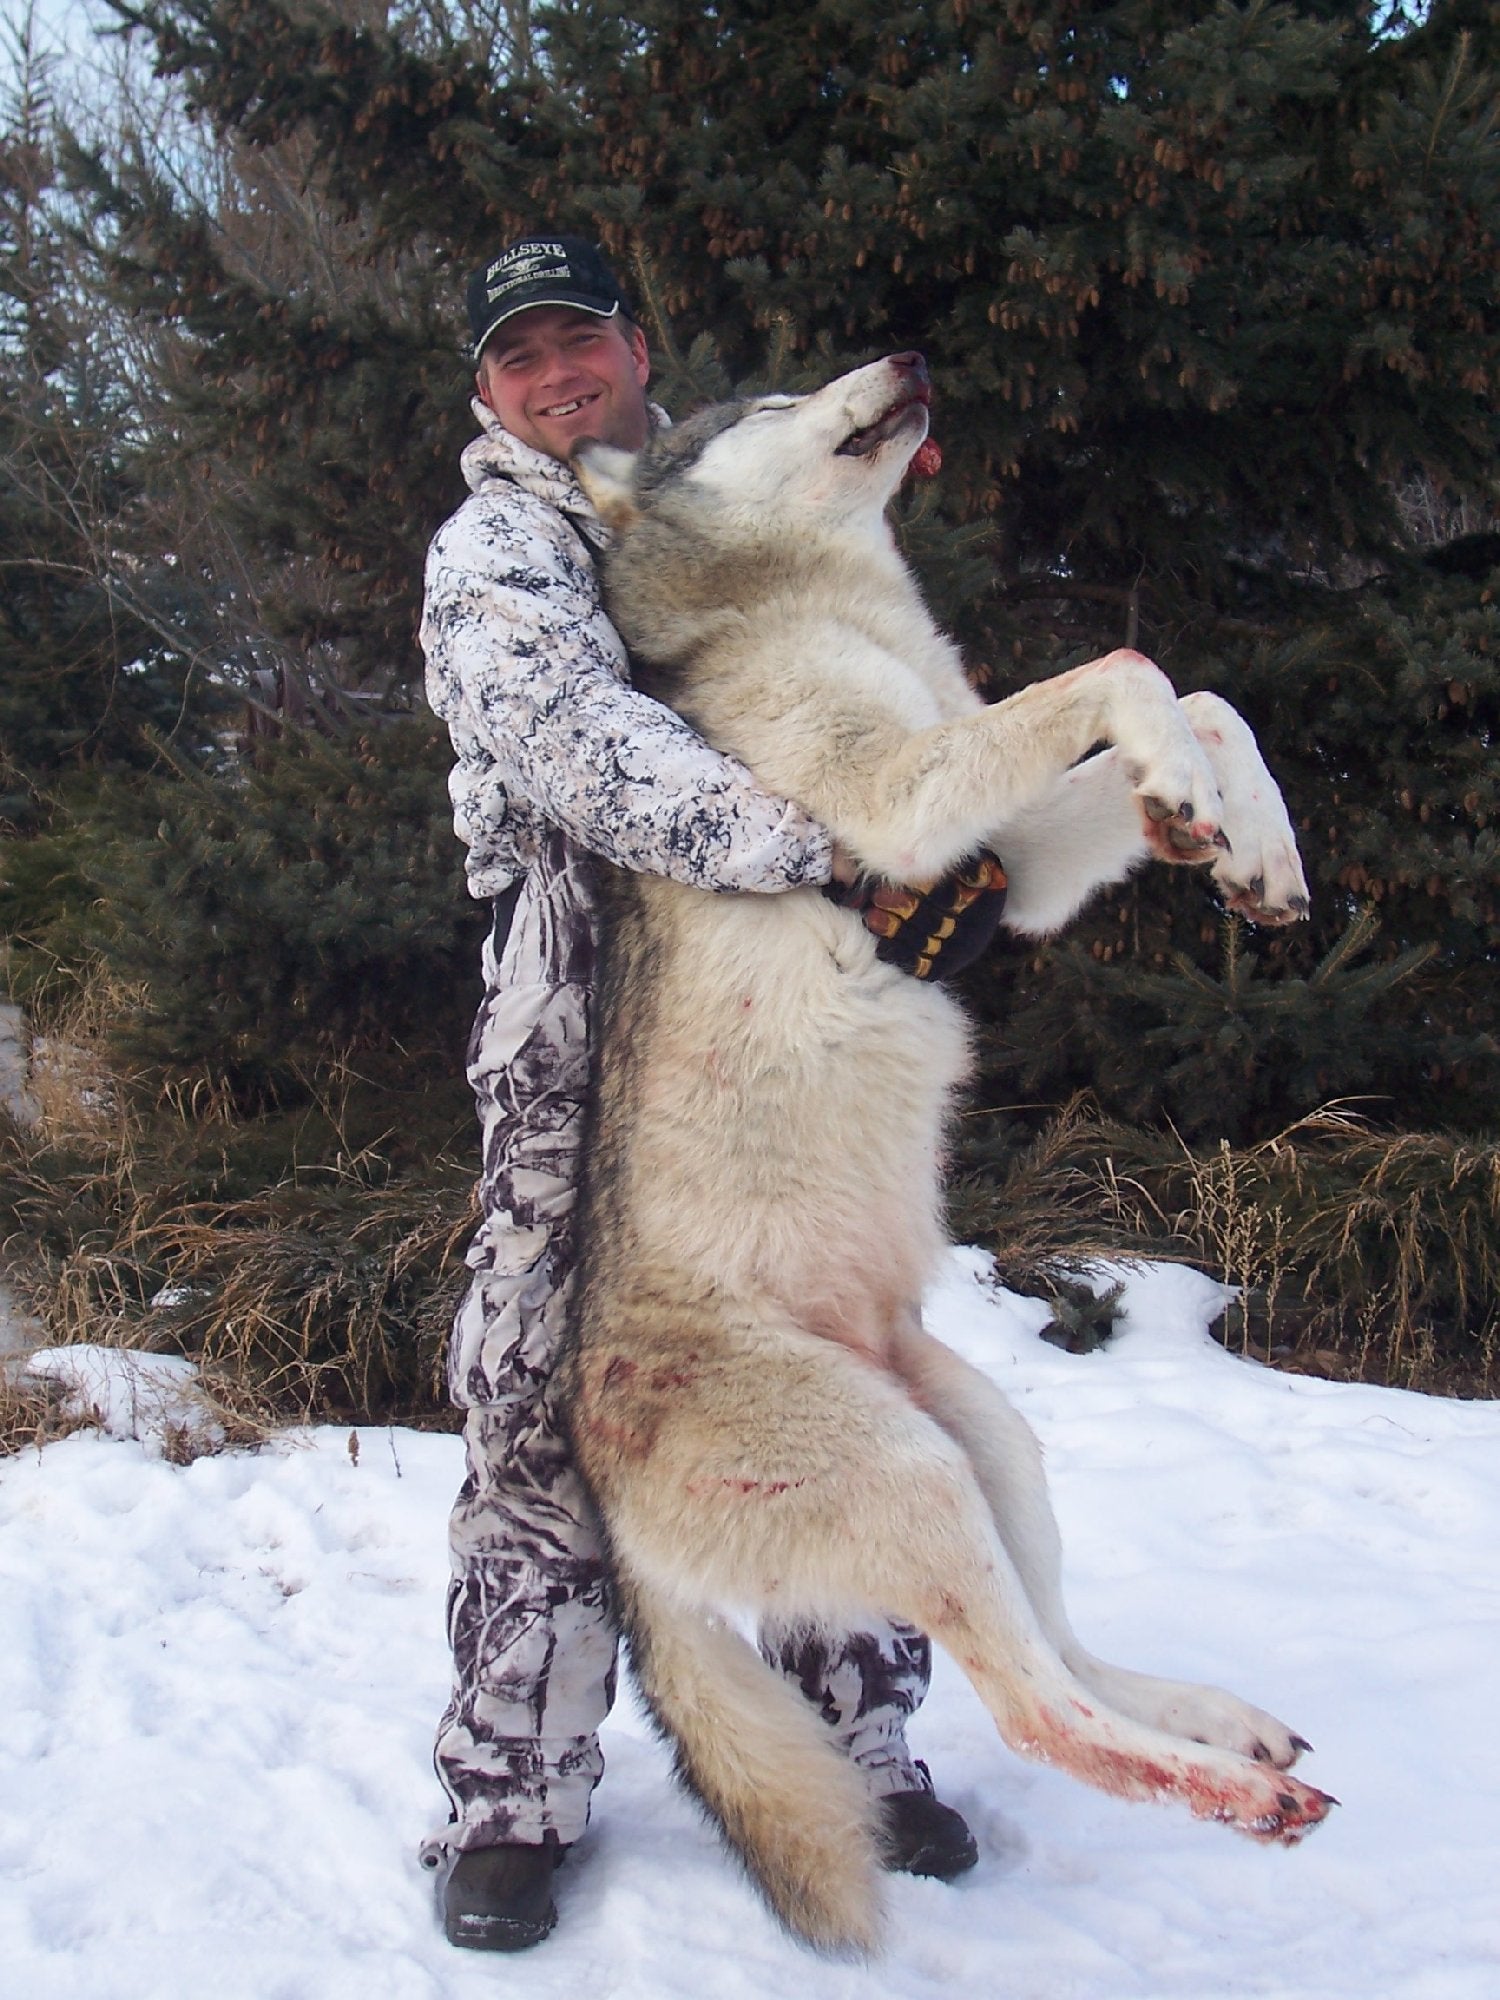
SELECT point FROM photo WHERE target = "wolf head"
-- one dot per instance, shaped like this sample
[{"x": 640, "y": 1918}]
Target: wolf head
[
  {"x": 836, "y": 454},
  {"x": 713, "y": 512}
]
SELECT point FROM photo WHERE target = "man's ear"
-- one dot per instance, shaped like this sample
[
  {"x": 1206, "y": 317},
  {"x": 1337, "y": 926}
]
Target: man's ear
[{"x": 607, "y": 475}]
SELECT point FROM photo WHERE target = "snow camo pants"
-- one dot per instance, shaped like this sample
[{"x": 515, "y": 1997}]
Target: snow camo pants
[{"x": 528, "y": 1607}]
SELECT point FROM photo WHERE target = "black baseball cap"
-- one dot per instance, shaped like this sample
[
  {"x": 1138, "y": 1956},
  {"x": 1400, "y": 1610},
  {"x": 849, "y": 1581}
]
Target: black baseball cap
[{"x": 542, "y": 271}]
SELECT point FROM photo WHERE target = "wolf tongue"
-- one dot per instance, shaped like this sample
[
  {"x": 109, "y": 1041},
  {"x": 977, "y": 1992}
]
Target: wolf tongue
[{"x": 926, "y": 460}]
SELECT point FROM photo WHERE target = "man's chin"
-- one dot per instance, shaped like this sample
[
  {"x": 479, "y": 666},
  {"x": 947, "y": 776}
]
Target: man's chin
[
  {"x": 600, "y": 420},
  {"x": 560, "y": 434},
  {"x": 626, "y": 430}
]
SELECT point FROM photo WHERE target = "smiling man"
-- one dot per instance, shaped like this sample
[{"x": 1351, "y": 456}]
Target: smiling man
[
  {"x": 555, "y": 374},
  {"x": 559, "y": 760}
]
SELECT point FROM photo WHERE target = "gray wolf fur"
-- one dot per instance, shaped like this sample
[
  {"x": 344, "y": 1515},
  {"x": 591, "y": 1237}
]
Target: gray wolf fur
[{"x": 762, "y": 1421}]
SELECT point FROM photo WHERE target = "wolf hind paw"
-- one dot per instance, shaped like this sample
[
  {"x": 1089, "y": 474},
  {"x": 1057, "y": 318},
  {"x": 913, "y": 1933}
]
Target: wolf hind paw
[
  {"x": 1198, "y": 1714},
  {"x": 1290, "y": 1813},
  {"x": 1236, "y": 1726}
]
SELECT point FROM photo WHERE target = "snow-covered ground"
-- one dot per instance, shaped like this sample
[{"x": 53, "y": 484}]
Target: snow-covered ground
[{"x": 218, "y": 1684}]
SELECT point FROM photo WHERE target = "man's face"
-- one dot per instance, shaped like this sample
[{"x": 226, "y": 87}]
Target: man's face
[{"x": 553, "y": 375}]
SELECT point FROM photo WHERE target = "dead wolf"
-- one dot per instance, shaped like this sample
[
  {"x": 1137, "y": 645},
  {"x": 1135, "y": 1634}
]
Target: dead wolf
[{"x": 761, "y": 1419}]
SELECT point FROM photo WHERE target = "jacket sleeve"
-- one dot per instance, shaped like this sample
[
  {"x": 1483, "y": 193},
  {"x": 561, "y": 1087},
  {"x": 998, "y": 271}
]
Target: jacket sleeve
[{"x": 521, "y": 656}]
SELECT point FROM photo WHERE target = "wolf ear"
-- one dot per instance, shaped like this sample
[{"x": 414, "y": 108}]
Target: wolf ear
[{"x": 607, "y": 475}]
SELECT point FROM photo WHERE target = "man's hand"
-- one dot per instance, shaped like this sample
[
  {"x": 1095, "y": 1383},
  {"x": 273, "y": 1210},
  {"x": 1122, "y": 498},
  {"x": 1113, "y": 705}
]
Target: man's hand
[{"x": 931, "y": 933}]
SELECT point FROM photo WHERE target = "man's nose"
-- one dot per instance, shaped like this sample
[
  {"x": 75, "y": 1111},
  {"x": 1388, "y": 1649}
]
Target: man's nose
[{"x": 559, "y": 365}]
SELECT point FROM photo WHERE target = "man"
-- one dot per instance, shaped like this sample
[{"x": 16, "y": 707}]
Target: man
[{"x": 559, "y": 760}]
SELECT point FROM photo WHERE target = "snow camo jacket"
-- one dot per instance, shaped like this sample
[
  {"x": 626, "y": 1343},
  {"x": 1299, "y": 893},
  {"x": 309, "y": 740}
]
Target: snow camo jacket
[{"x": 532, "y": 680}]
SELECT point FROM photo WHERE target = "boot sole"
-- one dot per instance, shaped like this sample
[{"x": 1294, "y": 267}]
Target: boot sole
[{"x": 477, "y": 1933}]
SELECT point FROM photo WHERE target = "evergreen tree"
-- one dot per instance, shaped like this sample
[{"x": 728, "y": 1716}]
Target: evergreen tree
[
  {"x": 276, "y": 899},
  {"x": 85, "y": 677},
  {"x": 1204, "y": 290},
  {"x": 308, "y": 913}
]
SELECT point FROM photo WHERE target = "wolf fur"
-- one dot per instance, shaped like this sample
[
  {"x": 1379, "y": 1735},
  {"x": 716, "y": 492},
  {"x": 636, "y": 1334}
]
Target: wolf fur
[{"x": 759, "y": 1415}]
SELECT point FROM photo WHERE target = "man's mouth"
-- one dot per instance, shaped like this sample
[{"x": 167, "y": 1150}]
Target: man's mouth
[{"x": 567, "y": 409}]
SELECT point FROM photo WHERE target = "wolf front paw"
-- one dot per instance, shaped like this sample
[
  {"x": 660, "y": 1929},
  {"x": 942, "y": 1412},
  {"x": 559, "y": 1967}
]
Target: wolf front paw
[
  {"x": 1137, "y": 710},
  {"x": 1265, "y": 898},
  {"x": 1180, "y": 799},
  {"x": 1258, "y": 871},
  {"x": 1175, "y": 838}
]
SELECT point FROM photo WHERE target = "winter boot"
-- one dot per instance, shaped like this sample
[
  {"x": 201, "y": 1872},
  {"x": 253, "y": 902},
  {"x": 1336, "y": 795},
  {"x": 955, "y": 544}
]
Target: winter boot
[
  {"x": 500, "y": 1898},
  {"x": 922, "y": 1836}
]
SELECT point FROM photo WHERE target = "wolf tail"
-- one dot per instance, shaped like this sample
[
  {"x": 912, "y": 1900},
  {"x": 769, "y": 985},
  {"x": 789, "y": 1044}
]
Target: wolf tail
[{"x": 765, "y": 1768}]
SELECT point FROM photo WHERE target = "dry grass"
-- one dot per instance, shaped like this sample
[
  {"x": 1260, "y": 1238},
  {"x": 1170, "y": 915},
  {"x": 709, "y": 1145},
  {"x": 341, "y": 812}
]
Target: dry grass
[
  {"x": 1039, "y": 1212},
  {"x": 1037, "y": 1209},
  {"x": 1355, "y": 1252},
  {"x": 31, "y": 1416},
  {"x": 318, "y": 1295},
  {"x": 305, "y": 1301},
  {"x": 77, "y": 1095},
  {"x": 335, "y": 1302}
]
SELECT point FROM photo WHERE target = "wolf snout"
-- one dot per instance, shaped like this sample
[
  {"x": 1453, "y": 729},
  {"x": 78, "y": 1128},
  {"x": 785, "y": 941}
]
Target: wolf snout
[
  {"x": 905, "y": 388},
  {"x": 912, "y": 366}
]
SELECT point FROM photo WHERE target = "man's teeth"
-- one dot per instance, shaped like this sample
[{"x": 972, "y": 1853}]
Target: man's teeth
[{"x": 565, "y": 409}]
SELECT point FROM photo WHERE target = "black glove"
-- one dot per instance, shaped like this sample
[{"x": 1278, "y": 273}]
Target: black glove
[{"x": 931, "y": 933}]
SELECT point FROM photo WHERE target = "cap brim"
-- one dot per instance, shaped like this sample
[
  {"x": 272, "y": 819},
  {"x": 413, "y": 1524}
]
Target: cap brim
[{"x": 558, "y": 298}]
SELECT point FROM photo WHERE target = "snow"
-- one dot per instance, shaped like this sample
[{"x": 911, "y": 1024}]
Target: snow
[
  {"x": 218, "y": 1685},
  {"x": 128, "y": 1394}
]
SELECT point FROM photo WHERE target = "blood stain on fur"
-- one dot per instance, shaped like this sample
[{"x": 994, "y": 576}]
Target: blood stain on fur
[
  {"x": 1131, "y": 1775},
  {"x": 763, "y": 1489},
  {"x": 628, "y": 1442},
  {"x": 662, "y": 1379}
]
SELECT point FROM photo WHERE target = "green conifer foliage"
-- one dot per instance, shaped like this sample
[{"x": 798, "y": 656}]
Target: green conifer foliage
[
  {"x": 1205, "y": 291},
  {"x": 82, "y": 675},
  {"x": 83, "y": 670},
  {"x": 310, "y": 907}
]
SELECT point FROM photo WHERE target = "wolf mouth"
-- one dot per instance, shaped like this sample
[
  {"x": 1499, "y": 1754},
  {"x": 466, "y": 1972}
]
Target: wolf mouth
[{"x": 859, "y": 444}]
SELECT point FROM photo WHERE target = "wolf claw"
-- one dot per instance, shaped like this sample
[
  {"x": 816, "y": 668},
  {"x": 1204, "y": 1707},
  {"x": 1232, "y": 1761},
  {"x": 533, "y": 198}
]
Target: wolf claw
[{"x": 1296, "y": 1814}]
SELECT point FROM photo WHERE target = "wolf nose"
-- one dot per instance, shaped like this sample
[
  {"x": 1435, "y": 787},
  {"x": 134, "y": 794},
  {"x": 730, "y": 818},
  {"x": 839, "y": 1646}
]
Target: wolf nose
[{"x": 913, "y": 363}]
